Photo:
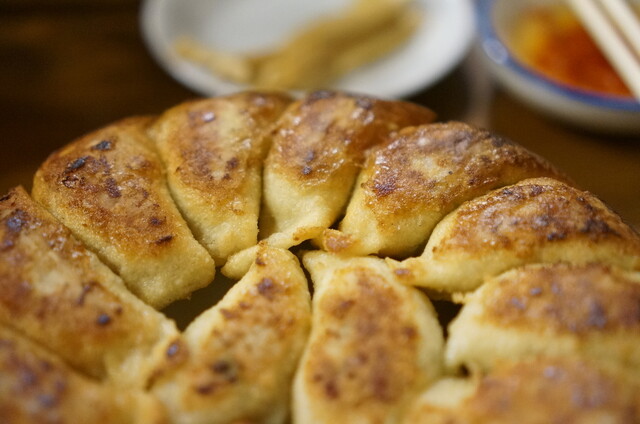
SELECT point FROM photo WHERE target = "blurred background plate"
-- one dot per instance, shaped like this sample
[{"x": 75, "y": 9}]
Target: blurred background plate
[{"x": 439, "y": 44}]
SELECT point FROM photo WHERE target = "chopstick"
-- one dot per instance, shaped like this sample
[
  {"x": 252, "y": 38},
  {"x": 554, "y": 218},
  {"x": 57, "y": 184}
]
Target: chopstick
[{"x": 616, "y": 30}]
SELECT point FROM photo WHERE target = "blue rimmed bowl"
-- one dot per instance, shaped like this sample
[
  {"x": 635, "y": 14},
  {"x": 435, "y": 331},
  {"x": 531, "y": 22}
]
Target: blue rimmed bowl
[{"x": 584, "y": 109}]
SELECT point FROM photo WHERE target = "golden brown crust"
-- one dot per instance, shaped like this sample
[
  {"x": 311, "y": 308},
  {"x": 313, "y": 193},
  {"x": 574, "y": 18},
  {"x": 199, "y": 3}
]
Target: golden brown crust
[
  {"x": 374, "y": 344},
  {"x": 213, "y": 150},
  {"x": 541, "y": 212},
  {"x": 94, "y": 171},
  {"x": 410, "y": 184},
  {"x": 326, "y": 131},
  {"x": 535, "y": 221},
  {"x": 243, "y": 351},
  {"x": 565, "y": 299},
  {"x": 563, "y": 310},
  {"x": 109, "y": 189},
  {"x": 573, "y": 390},
  {"x": 37, "y": 387},
  {"x": 208, "y": 145},
  {"x": 319, "y": 143},
  {"x": 554, "y": 338},
  {"x": 58, "y": 293},
  {"x": 539, "y": 391}
]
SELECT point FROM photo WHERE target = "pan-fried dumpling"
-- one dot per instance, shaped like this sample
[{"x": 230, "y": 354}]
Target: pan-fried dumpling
[
  {"x": 410, "y": 184},
  {"x": 318, "y": 146},
  {"x": 540, "y": 391},
  {"x": 374, "y": 344},
  {"x": 37, "y": 387},
  {"x": 213, "y": 150},
  {"x": 59, "y": 294},
  {"x": 556, "y": 310},
  {"x": 243, "y": 351},
  {"x": 109, "y": 188},
  {"x": 547, "y": 277},
  {"x": 535, "y": 221}
]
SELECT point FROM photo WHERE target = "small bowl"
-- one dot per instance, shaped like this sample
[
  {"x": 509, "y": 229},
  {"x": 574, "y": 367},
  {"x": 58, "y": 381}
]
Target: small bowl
[{"x": 584, "y": 109}]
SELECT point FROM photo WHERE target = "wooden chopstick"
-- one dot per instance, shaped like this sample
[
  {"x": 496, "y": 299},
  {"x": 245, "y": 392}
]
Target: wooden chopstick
[
  {"x": 615, "y": 29},
  {"x": 627, "y": 21}
]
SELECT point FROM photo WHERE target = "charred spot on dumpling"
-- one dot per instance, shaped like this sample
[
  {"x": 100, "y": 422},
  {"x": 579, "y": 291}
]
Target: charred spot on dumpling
[
  {"x": 229, "y": 314},
  {"x": 164, "y": 239},
  {"x": 104, "y": 145},
  {"x": 77, "y": 163},
  {"x": 232, "y": 163},
  {"x": 16, "y": 221},
  {"x": 111, "y": 186},
  {"x": 268, "y": 288},
  {"x": 155, "y": 221},
  {"x": 84, "y": 292},
  {"x": 173, "y": 349},
  {"x": 595, "y": 226},
  {"x": 386, "y": 187},
  {"x": 103, "y": 319},
  {"x": 71, "y": 181},
  {"x": 225, "y": 369}
]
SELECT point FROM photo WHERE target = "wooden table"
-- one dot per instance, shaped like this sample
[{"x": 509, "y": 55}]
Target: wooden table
[{"x": 68, "y": 67}]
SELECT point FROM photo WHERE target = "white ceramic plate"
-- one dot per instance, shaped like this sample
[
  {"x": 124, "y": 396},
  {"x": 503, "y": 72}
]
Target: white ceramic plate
[{"x": 252, "y": 25}]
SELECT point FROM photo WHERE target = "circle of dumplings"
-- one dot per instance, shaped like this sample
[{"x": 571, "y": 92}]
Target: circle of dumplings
[{"x": 348, "y": 259}]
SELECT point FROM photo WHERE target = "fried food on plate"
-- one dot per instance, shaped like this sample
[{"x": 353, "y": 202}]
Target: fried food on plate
[
  {"x": 213, "y": 150},
  {"x": 109, "y": 188},
  {"x": 322, "y": 52},
  {"x": 59, "y": 294}
]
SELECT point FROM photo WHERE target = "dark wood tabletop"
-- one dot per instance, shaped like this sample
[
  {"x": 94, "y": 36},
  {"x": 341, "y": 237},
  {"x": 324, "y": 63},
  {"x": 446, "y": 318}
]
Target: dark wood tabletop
[{"x": 68, "y": 67}]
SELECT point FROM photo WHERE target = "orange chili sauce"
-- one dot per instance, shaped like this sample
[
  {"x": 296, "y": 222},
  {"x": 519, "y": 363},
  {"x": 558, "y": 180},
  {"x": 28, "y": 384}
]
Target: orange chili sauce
[{"x": 552, "y": 41}]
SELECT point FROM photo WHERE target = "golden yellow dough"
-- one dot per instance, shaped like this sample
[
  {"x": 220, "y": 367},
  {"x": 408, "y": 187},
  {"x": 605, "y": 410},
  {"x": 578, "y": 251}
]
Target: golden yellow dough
[
  {"x": 243, "y": 351},
  {"x": 319, "y": 144},
  {"x": 56, "y": 292},
  {"x": 410, "y": 184},
  {"x": 213, "y": 150},
  {"x": 374, "y": 344},
  {"x": 538, "y": 220},
  {"x": 559, "y": 310},
  {"x": 109, "y": 188},
  {"x": 136, "y": 215},
  {"x": 540, "y": 391},
  {"x": 37, "y": 387}
]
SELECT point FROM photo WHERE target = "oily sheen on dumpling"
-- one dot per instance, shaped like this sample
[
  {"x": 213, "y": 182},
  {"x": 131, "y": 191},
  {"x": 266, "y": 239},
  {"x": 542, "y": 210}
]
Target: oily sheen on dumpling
[
  {"x": 410, "y": 184},
  {"x": 534, "y": 309},
  {"x": 58, "y": 293},
  {"x": 374, "y": 344},
  {"x": 319, "y": 143},
  {"x": 109, "y": 188},
  {"x": 242, "y": 352},
  {"x": 539, "y": 220},
  {"x": 213, "y": 150},
  {"x": 537, "y": 391},
  {"x": 38, "y": 387},
  {"x": 560, "y": 310}
]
